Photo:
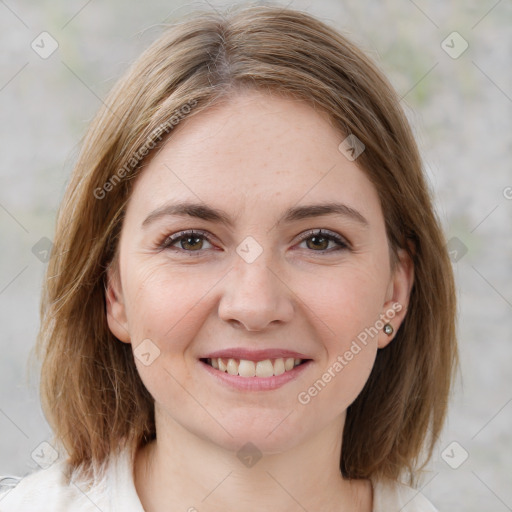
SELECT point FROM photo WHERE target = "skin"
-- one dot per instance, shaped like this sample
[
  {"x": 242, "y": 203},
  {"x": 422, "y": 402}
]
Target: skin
[{"x": 254, "y": 157}]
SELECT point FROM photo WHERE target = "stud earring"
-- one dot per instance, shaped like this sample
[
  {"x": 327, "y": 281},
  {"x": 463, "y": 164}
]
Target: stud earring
[{"x": 388, "y": 329}]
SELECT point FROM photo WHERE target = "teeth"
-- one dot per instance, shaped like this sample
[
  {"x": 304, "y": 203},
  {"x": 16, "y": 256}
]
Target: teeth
[
  {"x": 279, "y": 366},
  {"x": 246, "y": 368},
  {"x": 232, "y": 367},
  {"x": 264, "y": 368}
]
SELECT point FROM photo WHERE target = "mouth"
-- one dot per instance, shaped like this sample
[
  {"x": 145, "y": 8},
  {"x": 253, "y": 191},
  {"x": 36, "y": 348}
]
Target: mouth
[{"x": 248, "y": 369}]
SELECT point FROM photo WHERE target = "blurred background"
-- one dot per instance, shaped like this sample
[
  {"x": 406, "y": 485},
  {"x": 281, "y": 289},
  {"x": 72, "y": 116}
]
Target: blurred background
[{"x": 451, "y": 64}]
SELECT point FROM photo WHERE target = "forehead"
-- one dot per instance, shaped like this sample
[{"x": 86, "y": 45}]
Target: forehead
[{"x": 255, "y": 152}]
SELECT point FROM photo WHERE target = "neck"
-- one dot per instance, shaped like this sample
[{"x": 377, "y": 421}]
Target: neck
[{"x": 180, "y": 471}]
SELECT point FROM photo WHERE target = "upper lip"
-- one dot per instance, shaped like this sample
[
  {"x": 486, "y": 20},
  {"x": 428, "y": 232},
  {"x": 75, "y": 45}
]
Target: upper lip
[{"x": 254, "y": 355}]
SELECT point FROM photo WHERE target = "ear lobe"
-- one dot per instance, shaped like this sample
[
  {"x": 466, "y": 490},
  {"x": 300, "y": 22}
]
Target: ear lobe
[
  {"x": 116, "y": 311},
  {"x": 399, "y": 292}
]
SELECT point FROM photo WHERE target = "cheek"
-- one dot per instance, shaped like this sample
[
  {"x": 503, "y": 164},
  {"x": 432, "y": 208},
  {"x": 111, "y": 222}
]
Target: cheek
[
  {"x": 345, "y": 302},
  {"x": 346, "y": 311},
  {"x": 164, "y": 305}
]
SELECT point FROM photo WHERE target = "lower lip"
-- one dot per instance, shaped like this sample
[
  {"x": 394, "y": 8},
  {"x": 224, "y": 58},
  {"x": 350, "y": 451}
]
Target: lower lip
[{"x": 255, "y": 383}]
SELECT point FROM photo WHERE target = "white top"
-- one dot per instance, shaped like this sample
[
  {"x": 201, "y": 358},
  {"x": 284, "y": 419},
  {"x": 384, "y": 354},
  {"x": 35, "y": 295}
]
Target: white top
[{"x": 46, "y": 489}]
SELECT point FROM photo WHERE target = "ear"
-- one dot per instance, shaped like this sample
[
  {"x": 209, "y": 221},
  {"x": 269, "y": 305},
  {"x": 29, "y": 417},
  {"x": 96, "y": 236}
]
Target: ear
[
  {"x": 116, "y": 310},
  {"x": 397, "y": 296}
]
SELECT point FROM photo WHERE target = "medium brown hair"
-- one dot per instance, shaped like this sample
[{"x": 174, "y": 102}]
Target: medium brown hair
[{"x": 91, "y": 392}]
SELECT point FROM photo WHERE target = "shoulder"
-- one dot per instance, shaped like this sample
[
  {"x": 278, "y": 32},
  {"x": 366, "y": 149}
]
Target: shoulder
[
  {"x": 40, "y": 489},
  {"x": 53, "y": 489},
  {"x": 390, "y": 496}
]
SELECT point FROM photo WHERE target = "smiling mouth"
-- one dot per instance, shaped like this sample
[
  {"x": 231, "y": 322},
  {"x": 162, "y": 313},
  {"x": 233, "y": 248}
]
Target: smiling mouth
[{"x": 247, "y": 368}]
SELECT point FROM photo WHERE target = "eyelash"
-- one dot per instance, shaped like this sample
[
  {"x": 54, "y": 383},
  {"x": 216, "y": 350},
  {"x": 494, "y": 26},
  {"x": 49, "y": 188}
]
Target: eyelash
[{"x": 168, "y": 241}]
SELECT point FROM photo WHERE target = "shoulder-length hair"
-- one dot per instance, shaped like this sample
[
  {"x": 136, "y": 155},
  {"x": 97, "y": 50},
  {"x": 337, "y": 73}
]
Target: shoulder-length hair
[{"x": 91, "y": 392}]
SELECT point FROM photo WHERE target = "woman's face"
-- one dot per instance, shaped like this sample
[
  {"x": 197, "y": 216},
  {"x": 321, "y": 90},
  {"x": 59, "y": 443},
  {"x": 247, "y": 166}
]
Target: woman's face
[{"x": 255, "y": 282}]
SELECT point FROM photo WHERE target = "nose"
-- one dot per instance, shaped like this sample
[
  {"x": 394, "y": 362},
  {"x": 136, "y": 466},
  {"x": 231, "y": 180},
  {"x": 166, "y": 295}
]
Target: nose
[{"x": 255, "y": 296}]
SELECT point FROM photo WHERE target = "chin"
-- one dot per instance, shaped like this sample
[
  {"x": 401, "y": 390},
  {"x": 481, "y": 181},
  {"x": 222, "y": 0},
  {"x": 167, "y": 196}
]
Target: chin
[{"x": 272, "y": 433}]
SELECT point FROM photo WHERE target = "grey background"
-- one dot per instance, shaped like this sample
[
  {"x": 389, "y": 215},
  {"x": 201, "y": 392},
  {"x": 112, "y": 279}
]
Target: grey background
[{"x": 461, "y": 110}]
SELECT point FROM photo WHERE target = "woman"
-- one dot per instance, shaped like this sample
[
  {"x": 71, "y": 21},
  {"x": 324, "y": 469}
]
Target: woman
[{"x": 249, "y": 303}]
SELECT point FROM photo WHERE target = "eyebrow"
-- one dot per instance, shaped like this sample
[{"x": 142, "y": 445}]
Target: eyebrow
[{"x": 209, "y": 213}]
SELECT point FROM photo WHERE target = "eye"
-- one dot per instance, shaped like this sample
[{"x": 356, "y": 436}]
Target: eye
[
  {"x": 189, "y": 241},
  {"x": 192, "y": 241},
  {"x": 318, "y": 241}
]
